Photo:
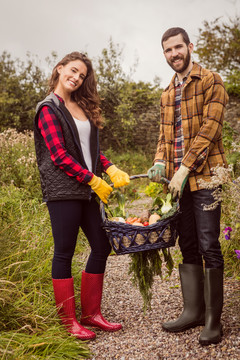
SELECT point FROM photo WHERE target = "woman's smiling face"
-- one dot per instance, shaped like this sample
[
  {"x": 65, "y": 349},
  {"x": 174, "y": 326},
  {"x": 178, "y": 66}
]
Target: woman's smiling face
[{"x": 71, "y": 76}]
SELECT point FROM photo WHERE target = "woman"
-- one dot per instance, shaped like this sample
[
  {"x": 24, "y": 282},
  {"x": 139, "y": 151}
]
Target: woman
[{"x": 66, "y": 130}]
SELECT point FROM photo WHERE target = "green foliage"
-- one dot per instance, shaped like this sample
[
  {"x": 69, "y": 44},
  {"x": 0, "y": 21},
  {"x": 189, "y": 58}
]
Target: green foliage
[
  {"x": 133, "y": 163},
  {"x": 50, "y": 344},
  {"x": 232, "y": 264},
  {"x": 26, "y": 300},
  {"x": 18, "y": 162},
  {"x": 22, "y": 86},
  {"x": 218, "y": 45},
  {"x": 122, "y": 99},
  {"x": 233, "y": 159},
  {"x": 154, "y": 189},
  {"x": 233, "y": 156},
  {"x": 218, "y": 48},
  {"x": 26, "y": 249},
  {"x": 233, "y": 83},
  {"x": 27, "y": 312},
  {"x": 231, "y": 217},
  {"x": 144, "y": 266},
  {"x": 228, "y": 136}
]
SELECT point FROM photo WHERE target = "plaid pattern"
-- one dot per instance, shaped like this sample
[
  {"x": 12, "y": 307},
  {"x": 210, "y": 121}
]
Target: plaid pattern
[
  {"x": 202, "y": 108},
  {"x": 178, "y": 131},
  {"x": 53, "y": 136}
]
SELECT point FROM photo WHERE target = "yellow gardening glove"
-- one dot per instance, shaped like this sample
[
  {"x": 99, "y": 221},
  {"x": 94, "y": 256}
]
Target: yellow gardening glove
[
  {"x": 157, "y": 172},
  {"x": 178, "y": 181},
  {"x": 100, "y": 187},
  {"x": 118, "y": 177}
]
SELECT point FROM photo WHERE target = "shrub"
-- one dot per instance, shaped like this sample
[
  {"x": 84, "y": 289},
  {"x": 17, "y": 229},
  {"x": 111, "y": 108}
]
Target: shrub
[
  {"x": 26, "y": 301},
  {"x": 229, "y": 197},
  {"x": 18, "y": 162}
]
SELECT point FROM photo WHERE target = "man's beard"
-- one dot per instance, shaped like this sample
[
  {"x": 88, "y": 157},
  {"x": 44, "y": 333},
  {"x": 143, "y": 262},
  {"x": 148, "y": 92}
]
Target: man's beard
[{"x": 185, "y": 63}]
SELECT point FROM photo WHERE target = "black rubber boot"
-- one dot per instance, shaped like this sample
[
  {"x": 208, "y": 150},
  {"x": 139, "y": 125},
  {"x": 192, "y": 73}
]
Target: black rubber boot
[
  {"x": 213, "y": 293},
  {"x": 192, "y": 283}
]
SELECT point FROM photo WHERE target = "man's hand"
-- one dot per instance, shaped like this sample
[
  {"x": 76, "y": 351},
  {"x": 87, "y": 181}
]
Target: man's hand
[
  {"x": 100, "y": 187},
  {"x": 178, "y": 181},
  {"x": 118, "y": 177},
  {"x": 157, "y": 172}
]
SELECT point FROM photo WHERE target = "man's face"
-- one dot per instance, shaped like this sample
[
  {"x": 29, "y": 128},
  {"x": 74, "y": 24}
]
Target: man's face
[{"x": 177, "y": 53}]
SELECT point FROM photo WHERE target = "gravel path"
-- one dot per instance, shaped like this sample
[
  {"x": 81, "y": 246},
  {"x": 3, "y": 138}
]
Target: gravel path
[{"x": 142, "y": 336}]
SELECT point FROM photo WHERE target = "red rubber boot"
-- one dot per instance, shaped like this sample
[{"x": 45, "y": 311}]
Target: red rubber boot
[
  {"x": 65, "y": 302},
  {"x": 91, "y": 297}
]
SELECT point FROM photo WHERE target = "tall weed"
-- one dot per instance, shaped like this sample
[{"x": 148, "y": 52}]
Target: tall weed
[
  {"x": 229, "y": 196},
  {"x": 26, "y": 300},
  {"x": 28, "y": 321},
  {"x": 18, "y": 161}
]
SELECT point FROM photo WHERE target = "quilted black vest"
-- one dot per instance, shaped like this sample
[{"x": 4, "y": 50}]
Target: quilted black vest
[{"x": 55, "y": 183}]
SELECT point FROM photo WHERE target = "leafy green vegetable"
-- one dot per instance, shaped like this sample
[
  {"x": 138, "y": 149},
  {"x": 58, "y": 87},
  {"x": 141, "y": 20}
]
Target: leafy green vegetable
[
  {"x": 118, "y": 211},
  {"x": 144, "y": 266},
  {"x": 167, "y": 205},
  {"x": 171, "y": 212},
  {"x": 164, "y": 207},
  {"x": 121, "y": 202}
]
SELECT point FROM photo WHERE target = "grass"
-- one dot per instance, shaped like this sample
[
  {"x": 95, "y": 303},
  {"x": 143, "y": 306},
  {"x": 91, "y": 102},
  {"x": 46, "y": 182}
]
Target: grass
[
  {"x": 28, "y": 320},
  {"x": 29, "y": 325},
  {"x": 50, "y": 344}
]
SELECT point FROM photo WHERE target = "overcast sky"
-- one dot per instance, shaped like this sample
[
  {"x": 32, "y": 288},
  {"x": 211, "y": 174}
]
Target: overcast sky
[{"x": 43, "y": 26}]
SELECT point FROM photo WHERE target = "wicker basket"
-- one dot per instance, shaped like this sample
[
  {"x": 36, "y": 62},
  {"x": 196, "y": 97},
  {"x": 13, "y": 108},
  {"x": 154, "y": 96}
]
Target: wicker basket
[{"x": 127, "y": 238}]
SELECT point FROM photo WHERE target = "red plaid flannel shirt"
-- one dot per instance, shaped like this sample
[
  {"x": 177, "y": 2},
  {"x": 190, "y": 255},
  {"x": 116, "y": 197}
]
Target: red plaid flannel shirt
[{"x": 52, "y": 133}]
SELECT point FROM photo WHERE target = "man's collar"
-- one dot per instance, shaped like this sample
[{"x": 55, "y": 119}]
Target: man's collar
[
  {"x": 195, "y": 72},
  {"x": 178, "y": 82}
]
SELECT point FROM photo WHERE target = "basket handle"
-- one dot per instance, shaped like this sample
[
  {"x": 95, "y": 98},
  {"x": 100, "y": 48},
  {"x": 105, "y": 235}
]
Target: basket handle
[
  {"x": 102, "y": 209},
  {"x": 165, "y": 180},
  {"x": 145, "y": 176}
]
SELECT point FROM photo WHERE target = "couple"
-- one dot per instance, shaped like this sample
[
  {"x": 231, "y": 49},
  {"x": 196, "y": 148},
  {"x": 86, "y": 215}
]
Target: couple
[{"x": 70, "y": 162}]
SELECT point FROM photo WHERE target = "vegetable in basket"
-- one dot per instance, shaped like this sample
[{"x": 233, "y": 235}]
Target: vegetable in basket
[
  {"x": 145, "y": 265},
  {"x": 167, "y": 205}
]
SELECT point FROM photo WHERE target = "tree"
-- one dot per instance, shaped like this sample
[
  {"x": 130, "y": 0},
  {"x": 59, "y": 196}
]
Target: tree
[
  {"x": 123, "y": 100},
  {"x": 218, "y": 45},
  {"x": 218, "y": 48},
  {"x": 22, "y": 86}
]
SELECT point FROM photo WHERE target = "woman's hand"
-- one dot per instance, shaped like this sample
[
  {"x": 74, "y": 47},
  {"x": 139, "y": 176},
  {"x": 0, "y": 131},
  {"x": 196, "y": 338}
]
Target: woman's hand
[
  {"x": 118, "y": 177},
  {"x": 100, "y": 187}
]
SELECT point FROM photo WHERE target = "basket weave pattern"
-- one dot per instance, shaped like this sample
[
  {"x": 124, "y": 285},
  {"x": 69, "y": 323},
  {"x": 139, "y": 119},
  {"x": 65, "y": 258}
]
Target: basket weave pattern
[{"x": 126, "y": 238}]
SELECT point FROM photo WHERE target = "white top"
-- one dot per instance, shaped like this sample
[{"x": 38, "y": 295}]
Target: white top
[{"x": 84, "y": 131}]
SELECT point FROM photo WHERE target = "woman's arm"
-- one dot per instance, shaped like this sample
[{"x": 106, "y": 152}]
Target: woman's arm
[{"x": 51, "y": 131}]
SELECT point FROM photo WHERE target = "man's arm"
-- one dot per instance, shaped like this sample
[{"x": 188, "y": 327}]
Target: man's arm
[{"x": 215, "y": 100}]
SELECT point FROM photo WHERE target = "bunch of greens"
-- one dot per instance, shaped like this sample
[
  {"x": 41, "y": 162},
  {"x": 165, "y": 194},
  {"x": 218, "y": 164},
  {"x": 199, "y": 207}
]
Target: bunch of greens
[
  {"x": 144, "y": 266},
  {"x": 120, "y": 209},
  {"x": 164, "y": 207}
]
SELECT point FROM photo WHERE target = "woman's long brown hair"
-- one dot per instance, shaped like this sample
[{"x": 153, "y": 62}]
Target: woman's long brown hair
[{"x": 86, "y": 96}]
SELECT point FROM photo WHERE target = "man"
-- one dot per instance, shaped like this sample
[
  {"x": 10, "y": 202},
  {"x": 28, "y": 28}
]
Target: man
[{"x": 189, "y": 146}]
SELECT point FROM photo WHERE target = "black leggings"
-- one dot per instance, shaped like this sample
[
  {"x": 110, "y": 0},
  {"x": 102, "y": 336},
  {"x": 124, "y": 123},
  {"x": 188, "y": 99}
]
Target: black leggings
[{"x": 66, "y": 218}]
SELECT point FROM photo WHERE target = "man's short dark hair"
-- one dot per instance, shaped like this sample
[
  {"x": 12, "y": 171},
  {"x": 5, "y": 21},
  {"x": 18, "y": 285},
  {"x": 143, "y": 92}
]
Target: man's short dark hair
[{"x": 174, "y": 32}]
